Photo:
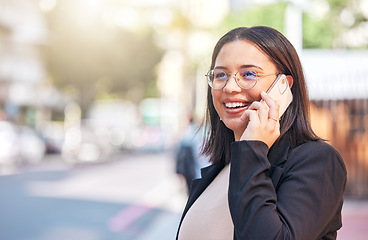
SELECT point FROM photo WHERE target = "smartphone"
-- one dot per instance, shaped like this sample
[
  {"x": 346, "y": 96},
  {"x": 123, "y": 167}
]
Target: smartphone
[{"x": 280, "y": 91}]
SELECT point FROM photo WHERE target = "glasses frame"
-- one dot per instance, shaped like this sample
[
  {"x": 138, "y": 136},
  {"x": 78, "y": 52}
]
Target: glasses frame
[{"x": 228, "y": 76}]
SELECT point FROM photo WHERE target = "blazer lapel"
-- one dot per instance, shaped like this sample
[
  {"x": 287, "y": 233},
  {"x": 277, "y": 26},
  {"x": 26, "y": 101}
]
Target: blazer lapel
[
  {"x": 275, "y": 173},
  {"x": 199, "y": 185},
  {"x": 277, "y": 156}
]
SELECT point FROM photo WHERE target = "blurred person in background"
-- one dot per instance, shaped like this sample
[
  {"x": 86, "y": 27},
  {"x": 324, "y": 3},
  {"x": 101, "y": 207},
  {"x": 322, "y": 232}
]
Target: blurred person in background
[
  {"x": 270, "y": 178},
  {"x": 189, "y": 161}
]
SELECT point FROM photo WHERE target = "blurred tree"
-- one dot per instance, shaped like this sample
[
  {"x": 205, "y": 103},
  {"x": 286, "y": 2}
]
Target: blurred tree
[
  {"x": 271, "y": 15},
  {"x": 336, "y": 24},
  {"x": 326, "y": 23},
  {"x": 318, "y": 33},
  {"x": 95, "y": 59}
]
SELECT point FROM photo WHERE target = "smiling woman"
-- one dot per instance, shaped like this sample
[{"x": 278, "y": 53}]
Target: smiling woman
[
  {"x": 270, "y": 178},
  {"x": 241, "y": 91}
]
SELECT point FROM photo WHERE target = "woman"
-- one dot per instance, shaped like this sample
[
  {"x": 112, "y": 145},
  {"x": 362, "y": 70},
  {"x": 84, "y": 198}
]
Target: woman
[{"x": 270, "y": 178}]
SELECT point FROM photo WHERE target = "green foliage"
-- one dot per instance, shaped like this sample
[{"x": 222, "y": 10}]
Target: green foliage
[
  {"x": 327, "y": 31},
  {"x": 318, "y": 33},
  {"x": 266, "y": 15},
  {"x": 321, "y": 32},
  {"x": 336, "y": 5}
]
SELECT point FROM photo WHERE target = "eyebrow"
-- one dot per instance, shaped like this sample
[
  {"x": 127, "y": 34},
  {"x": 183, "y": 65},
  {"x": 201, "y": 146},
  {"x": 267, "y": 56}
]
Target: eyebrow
[{"x": 242, "y": 66}]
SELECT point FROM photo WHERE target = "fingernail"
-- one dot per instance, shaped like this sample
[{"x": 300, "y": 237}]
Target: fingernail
[{"x": 263, "y": 93}]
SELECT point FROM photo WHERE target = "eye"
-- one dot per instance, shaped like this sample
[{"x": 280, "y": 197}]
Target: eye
[
  {"x": 219, "y": 75},
  {"x": 247, "y": 74}
]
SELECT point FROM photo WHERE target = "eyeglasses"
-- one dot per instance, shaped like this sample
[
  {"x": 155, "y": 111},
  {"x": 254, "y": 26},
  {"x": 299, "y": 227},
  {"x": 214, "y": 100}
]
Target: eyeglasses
[{"x": 246, "y": 79}]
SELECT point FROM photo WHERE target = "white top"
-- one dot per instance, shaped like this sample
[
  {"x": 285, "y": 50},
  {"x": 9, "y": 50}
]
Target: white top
[{"x": 209, "y": 217}]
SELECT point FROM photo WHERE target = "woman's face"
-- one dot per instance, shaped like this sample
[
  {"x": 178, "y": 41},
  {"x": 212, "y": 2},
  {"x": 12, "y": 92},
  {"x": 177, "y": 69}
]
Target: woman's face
[{"x": 231, "y": 101}]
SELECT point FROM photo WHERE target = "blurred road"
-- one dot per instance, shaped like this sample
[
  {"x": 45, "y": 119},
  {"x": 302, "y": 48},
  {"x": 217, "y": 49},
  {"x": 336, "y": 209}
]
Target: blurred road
[
  {"x": 355, "y": 220},
  {"x": 134, "y": 197}
]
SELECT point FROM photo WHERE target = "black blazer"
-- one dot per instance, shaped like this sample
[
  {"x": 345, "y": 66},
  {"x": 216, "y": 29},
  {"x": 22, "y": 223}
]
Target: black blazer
[{"x": 281, "y": 193}]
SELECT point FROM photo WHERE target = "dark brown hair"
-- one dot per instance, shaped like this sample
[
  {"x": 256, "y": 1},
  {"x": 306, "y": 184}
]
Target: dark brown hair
[{"x": 295, "y": 124}]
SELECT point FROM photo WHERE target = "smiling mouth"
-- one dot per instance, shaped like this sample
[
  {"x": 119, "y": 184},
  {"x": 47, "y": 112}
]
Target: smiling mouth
[{"x": 234, "y": 105}]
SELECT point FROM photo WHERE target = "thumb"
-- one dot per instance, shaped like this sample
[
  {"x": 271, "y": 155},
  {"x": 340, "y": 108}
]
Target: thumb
[{"x": 245, "y": 115}]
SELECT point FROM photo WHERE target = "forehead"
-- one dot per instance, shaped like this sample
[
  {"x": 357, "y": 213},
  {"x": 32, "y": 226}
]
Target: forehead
[{"x": 242, "y": 52}]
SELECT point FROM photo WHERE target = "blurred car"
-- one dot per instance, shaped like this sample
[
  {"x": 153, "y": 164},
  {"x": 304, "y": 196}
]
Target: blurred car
[
  {"x": 86, "y": 144},
  {"x": 149, "y": 139},
  {"x": 32, "y": 146},
  {"x": 10, "y": 149},
  {"x": 19, "y": 145}
]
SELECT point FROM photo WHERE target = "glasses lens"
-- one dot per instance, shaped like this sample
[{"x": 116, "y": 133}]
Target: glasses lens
[
  {"x": 217, "y": 79},
  {"x": 246, "y": 78}
]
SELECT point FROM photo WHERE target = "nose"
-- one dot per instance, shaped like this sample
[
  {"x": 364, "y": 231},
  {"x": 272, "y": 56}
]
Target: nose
[{"x": 232, "y": 85}]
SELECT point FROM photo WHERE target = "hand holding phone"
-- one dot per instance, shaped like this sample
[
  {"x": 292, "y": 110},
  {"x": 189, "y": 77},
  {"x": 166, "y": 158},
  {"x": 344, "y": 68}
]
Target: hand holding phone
[
  {"x": 281, "y": 92},
  {"x": 259, "y": 126}
]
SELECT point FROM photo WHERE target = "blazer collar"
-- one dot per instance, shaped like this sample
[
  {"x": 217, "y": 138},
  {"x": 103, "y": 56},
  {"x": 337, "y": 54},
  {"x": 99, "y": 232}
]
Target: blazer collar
[
  {"x": 277, "y": 156},
  {"x": 279, "y": 152},
  {"x": 199, "y": 185}
]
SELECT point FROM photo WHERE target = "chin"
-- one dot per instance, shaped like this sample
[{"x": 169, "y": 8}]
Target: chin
[{"x": 236, "y": 125}]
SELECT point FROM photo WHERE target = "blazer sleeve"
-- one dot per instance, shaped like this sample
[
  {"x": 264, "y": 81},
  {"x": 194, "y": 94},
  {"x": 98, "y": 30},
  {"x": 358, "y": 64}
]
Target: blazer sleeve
[{"x": 306, "y": 203}]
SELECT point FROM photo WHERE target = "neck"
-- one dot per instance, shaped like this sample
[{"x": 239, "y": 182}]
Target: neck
[{"x": 237, "y": 136}]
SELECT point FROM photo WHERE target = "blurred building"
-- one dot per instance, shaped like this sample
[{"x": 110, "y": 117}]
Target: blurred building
[
  {"x": 25, "y": 97},
  {"x": 338, "y": 88}
]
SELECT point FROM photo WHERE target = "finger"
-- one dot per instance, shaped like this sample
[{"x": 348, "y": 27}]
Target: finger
[
  {"x": 274, "y": 106},
  {"x": 246, "y": 113},
  {"x": 274, "y": 111},
  {"x": 261, "y": 109},
  {"x": 244, "y": 116},
  {"x": 251, "y": 115},
  {"x": 275, "y": 119},
  {"x": 262, "y": 112}
]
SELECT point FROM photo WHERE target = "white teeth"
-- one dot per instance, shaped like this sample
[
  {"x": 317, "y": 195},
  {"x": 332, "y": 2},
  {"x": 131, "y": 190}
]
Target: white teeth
[{"x": 235, "y": 104}]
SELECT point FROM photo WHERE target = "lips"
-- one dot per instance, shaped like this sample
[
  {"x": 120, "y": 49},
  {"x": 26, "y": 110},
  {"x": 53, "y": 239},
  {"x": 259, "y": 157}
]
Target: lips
[{"x": 234, "y": 106}]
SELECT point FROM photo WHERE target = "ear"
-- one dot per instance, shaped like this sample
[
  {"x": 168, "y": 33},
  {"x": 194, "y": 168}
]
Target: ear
[{"x": 290, "y": 80}]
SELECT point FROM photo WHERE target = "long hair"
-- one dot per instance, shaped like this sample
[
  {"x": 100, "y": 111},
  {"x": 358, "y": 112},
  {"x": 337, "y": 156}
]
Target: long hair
[{"x": 295, "y": 124}]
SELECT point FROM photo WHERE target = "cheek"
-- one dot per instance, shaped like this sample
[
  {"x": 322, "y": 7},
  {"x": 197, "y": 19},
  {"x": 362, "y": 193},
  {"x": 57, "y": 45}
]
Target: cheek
[
  {"x": 216, "y": 96},
  {"x": 255, "y": 93}
]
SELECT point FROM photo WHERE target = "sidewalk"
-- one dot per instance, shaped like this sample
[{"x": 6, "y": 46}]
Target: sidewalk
[
  {"x": 159, "y": 192},
  {"x": 354, "y": 220}
]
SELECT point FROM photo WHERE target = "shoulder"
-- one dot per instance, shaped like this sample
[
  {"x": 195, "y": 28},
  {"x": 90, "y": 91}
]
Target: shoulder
[
  {"x": 314, "y": 148},
  {"x": 316, "y": 154}
]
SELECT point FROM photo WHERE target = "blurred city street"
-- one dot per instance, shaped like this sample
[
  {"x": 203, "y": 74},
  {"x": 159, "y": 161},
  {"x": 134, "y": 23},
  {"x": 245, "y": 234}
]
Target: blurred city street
[
  {"x": 91, "y": 111},
  {"x": 132, "y": 197},
  {"x": 355, "y": 220}
]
